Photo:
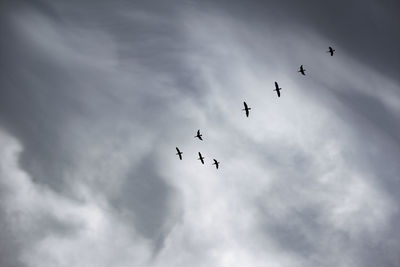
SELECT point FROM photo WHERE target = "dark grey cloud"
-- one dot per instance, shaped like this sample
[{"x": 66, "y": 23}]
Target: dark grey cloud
[
  {"x": 96, "y": 96},
  {"x": 365, "y": 29},
  {"x": 150, "y": 212},
  {"x": 9, "y": 246},
  {"x": 42, "y": 94}
]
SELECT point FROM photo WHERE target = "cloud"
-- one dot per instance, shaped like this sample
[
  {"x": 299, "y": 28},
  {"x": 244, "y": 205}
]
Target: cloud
[
  {"x": 93, "y": 114},
  {"x": 311, "y": 176},
  {"x": 54, "y": 230}
]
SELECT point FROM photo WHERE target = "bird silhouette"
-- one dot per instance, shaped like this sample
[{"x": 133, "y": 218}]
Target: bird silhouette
[
  {"x": 302, "y": 70},
  {"x": 201, "y": 158},
  {"x": 198, "y": 135},
  {"x": 216, "y": 163},
  {"x": 331, "y": 50},
  {"x": 246, "y": 108},
  {"x": 179, "y": 153},
  {"x": 277, "y": 89}
]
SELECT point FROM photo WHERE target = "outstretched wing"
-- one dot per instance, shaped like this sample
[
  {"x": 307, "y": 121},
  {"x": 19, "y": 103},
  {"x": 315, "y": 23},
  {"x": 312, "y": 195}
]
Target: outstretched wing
[
  {"x": 198, "y": 132},
  {"x": 246, "y": 108},
  {"x": 201, "y": 158},
  {"x": 276, "y": 86},
  {"x": 331, "y": 50},
  {"x": 179, "y": 153},
  {"x": 216, "y": 163}
]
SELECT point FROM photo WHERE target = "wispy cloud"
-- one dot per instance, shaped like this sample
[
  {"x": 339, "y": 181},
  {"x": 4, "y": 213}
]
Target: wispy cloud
[{"x": 88, "y": 171}]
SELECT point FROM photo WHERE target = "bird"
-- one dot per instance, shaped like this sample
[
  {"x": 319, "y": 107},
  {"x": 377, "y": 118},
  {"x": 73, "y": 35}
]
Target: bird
[
  {"x": 216, "y": 163},
  {"x": 331, "y": 50},
  {"x": 246, "y": 108},
  {"x": 201, "y": 158},
  {"x": 179, "y": 153},
  {"x": 277, "y": 89},
  {"x": 302, "y": 70},
  {"x": 198, "y": 135}
]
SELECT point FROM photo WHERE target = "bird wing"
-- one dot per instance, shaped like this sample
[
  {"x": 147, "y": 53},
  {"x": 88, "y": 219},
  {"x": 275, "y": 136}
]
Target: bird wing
[
  {"x": 276, "y": 86},
  {"x": 245, "y": 105},
  {"x": 177, "y": 149}
]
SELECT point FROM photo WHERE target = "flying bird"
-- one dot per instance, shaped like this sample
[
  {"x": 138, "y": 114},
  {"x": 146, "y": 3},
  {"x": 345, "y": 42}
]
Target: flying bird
[
  {"x": 331, "y": 50},
  {"x": 179, "y": 153},
  {"x": 302, "y": 70},
  {"x": 277, "y": 89},
  {"x": 201, "y": 158},
  {"x": 246, "y": 108},
  {"x": 216, "y": 163},
  {"x": 199, "y": 135}
]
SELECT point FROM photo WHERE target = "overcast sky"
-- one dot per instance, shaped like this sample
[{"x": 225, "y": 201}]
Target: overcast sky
[{"x": 96, "y": 95}]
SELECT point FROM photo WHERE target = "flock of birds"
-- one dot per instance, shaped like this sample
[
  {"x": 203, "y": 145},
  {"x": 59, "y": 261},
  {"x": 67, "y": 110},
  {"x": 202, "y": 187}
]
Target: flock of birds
[
  {"x": 247, "y": 111},
  {"x": 201, "y": 158}
]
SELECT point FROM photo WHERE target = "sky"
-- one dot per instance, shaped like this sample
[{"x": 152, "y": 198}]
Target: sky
[{"x": 96, "y": 95}]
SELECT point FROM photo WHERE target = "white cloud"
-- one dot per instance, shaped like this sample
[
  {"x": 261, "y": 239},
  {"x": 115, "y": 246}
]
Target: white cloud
[
  {"x": 285, "y": 168},
  {"x": 97, "y": 234}
]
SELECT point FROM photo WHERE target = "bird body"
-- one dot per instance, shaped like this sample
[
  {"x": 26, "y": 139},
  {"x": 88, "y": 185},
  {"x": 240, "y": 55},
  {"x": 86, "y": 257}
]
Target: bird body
[
  {"x": 302, "y": 70},
  {"x": 331, "y": 51},
  {"x": 179, "y": 153},
  {"x": 246, "y": 108},
  {"x": 216, "y": 163},
  {"x": 201, "y": 158},
  {"x": 198, "y": 135},
  {"x": 277, "y": 89}
]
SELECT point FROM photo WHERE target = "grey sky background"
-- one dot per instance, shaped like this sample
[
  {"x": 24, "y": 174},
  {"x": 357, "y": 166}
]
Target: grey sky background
[{"x": 96, "y": 95}]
